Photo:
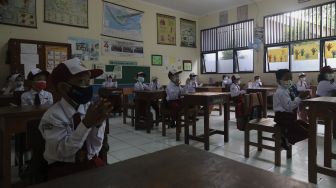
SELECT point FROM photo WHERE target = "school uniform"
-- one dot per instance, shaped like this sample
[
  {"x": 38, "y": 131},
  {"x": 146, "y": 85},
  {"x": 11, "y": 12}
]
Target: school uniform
[
  {"x": 154, "y": 86},
  {"x": 256, "y": 85},
  {"x": 32, "y": 97},
  {"x": 226, "y": 82},
  {"x": 237, "y": 98},
  {"x": 235, "y": 90},
  {"x": 189, "y": 88},
  {"x": 108, "y": 84},
  {"x": 326, "y": 88},
  {"x": 285, "y": 107},
  {"x": 138, "y": 86},
  {"x": 69, "y": 145},
  {"x": 302, "y": 86},
  {"x": 173, "y": 98}
]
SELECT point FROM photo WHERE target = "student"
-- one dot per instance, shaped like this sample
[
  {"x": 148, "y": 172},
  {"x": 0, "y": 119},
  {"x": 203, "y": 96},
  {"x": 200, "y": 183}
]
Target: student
[
  {"x": 174, "y": 92},
  {"x": 226, "y": 81},
  {"x": 302, "y": 85},
  {"x": 140, "y": 85},
  {"x": 326, "y": 85},
  {"x": 37, "y": 94},
  {"x": 73, "y": 129},
  {"x": 285, "y": 106},
  {"x": 257, "y": 83},
  {"x": 14, "y": 83},
  {"x": 155, "y": 85},
  {"x": 193, "y": 80},
  {"x": 189, "y": 87},
  {"x": 235, "y": 86},
  {"x": 110, "y": 82}
]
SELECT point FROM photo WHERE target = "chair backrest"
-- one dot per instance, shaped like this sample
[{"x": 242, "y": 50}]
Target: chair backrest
[{"x": 253, "y": 104}]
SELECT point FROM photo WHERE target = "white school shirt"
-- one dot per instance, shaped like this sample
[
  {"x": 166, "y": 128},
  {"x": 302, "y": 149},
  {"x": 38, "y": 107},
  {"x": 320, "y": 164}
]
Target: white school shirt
[
  {"x": 154, "y": 86},
  {"x": 189, "y": 88},
  {"x": 62, "y": 141},
  {"x": 235, "y": 90},
  {"x": 256, "y": 85},
  {"x": 173, "y": 91},
  {"x": 226, "y": 81},
  {"x": 28, "y": 97},
  {"x": 325, "y": 88},
  {"x": 108, "y": 84},
  {"x": 302, "y": 86},
  {"x": 140, "y": 86},
  {"x": 282, "y": 101}
]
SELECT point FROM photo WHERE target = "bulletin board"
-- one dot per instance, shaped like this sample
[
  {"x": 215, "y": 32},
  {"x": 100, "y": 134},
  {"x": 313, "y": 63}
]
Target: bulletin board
[{"x": 22, "y": 55}]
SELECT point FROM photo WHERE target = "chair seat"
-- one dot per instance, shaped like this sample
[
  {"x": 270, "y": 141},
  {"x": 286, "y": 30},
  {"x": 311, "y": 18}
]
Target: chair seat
[{"x": 268, "y": 122}]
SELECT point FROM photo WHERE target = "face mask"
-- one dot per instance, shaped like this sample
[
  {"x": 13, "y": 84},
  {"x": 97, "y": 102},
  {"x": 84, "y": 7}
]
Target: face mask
[
  {"x": 80, "y": 95},
  {"x": 40, "y": 85},
  {"x": 239, "y": 82},
  {"x": 303, "y": 79},
  {"x": 141, "y": 79},
  {"x": 286, "y": 84},
  {"x": 258, "y": 81}
]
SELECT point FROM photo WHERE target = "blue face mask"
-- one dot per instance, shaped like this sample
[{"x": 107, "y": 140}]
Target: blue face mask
[
  {"x": 141, "y": 79},
  {"x": 80, "y": 95}
]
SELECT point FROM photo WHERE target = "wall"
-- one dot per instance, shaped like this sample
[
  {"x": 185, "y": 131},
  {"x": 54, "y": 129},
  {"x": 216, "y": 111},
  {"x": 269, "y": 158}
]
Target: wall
[
  {"x": 257, "y": 11},
  {"x": 59, "y": 33}
]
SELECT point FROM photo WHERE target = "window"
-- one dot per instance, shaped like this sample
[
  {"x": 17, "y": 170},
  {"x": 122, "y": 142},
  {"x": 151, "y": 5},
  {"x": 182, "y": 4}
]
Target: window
[
  {"x": 226, "y": 42},
  {"x": 329, "y": 53},
  {"x": 303, "y": 32},
  {"x": 277, "y": 58}
]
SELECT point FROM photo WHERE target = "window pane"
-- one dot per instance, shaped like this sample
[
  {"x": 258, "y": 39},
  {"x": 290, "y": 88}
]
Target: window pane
[
  {"x": 245, "y": 60},
  {"x": 330, "y": 53},
  {"x": 225, "y": 61},
  {"x": 209, "y": 63},
  {"x": 306, "y": 56},
  {"x": 277, "y": 58}
]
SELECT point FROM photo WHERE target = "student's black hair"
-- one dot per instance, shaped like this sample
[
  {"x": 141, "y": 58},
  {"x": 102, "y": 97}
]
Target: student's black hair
[
  {"x": 224, "y": 76},
  {"x": 256, "y": 77},
  {"x": 279, "y": 74},
  {"x": 322, "y": 77}
]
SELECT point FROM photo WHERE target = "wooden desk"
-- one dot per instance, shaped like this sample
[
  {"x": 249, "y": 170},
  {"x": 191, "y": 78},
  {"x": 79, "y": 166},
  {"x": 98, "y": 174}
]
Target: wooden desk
[
  {"x": 6, "y": 99},
  {"x": 320, "y": 108},
  {"x": 177, "y": 167},
  {"x": 210, "y": 89},
  {"x": 13, "y": 120},
  {"x": 264, "y": 91},
  {"x": 207, "y": 99},
  {"x": 145, "y": 97}
]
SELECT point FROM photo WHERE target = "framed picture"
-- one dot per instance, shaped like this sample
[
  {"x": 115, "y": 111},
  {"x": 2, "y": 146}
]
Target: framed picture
[
  {"x": 70, "y": 12},
  {"x": 157, "y": 60},
  {"x": 18, "y": 13},
  {"x": 188, "y": 33},
  {"x": 166, "y": 29},
  {"x": 187, "y": 65}
]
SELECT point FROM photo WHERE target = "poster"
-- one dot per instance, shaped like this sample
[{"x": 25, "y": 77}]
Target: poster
[
  {"x": 166, "y": 29},
  {"x": 330, "y": 49},
  {"x": 67, "y": 12},
  {"x": 18, "y": 12},
  {"x": 279, "y": 54},
  {"x": 171, "y": 62},
  {"x": 122, "y": 22},
  {"x": 84, "y": 49},
  {"x": 120, "y": 47},
  {"x": 55, "y": 56},
  {"x": 188, "y": 33},
  {"x": 306, "y": 50}
]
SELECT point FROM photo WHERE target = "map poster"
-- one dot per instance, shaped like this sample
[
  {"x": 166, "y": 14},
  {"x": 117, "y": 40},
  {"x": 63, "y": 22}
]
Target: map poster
[
  {"x": 277, "y": 54},
  {"x": 122, "y": 22},
  {"x": 166, "y": 29},
  {"x": 120, "y": 47},
  {"x": 306, "y": 50},
  {"x": 67, "y": 12},
  {"x": 18, "y": 12},
  {"x": 188, "y": 33},
  {"x": 84, "y": 49}
]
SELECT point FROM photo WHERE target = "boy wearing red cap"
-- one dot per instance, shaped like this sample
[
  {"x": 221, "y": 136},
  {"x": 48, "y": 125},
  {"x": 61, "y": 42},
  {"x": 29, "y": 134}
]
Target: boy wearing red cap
[
  {"x": 73, "y": 128},
  {"x": 37, "y": 95}
]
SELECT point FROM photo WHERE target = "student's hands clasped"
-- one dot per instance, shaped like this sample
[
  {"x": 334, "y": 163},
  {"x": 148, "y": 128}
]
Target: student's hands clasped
[{"x": 97, "y": 113}]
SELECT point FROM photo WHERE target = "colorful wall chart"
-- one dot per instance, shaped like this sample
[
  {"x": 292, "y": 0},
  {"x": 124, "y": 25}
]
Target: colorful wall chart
[
  {"x": 166, "y": 29},
  {"x": 306, "y": 50}
]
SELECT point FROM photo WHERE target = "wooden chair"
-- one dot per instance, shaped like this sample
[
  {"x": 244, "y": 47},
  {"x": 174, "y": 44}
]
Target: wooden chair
[
  {"x": 263, "y": 125},
  {"x": 128, "y": 104}
]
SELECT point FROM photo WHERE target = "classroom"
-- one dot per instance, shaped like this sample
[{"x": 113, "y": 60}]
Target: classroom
[{"x": 157, "y": 93}]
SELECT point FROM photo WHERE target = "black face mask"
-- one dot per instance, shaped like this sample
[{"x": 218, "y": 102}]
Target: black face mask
[{"x": 80, "y": 95}]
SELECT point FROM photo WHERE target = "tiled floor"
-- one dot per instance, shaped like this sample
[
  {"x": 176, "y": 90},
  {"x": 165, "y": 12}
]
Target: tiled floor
[{"x": 126, "y": 143}]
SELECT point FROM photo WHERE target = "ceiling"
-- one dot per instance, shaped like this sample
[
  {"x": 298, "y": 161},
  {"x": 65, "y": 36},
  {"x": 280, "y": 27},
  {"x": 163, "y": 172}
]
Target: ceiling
[{"x": 200, "y": 7}]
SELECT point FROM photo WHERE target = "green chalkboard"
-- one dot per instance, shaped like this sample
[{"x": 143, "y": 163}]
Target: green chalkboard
[{"x": 128, "y": 74}]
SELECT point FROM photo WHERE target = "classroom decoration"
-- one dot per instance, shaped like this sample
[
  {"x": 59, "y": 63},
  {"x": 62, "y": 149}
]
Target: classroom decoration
[
  {"x": 122, "y": 22},
  {"x": 84, "y": 49},
  {"x": 188, "y": 33},
  {"x": 67, "y": 12},
  {"x": 55, "y": 55},
  {"x": 166, "y": 29},
  {"x": 123, "y": 63},
  {"x": 171, "y": 62},
  {"x": 306, "y": 50},
  {"x": 330, "y": 49},
  {"x": 187, "y": 65},
  {"x": 275, "y": 55},
  {"x": 18, "y": 12},
  {"x": 120, "y": 47},
  {"x": 157, "y": 60}
]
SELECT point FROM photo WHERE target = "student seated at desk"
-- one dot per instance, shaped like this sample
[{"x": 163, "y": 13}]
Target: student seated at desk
[
  {"x": 326, "y": 83},
  {"x": 37, "y": 94},
  {"x": 302, "y": 84},
  {"x": 174, "y": 92},
  {"x": 285, "y": 106},
  {"x": 73, "y": 129},
  {"x": 257, "y": 83},
  {"x": 226, "y": 83},
  {"x": 155, "y": 85},
  {"x": 110, "y": 81},
  {"x": 189, "y": 87},
  {"x": 14, "y": 83},
  {"x": 235, "y": 87},
  {"x": 140, "y": 85}
]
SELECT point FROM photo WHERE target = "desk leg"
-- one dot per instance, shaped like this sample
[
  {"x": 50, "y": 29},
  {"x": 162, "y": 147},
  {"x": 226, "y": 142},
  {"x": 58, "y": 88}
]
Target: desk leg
[
  {"x": 137, "y": 116},
  {"x": 149, "y": 117},
  {"x": 264, "y": 95},
  {"x": 327, "y": 143},
  {"x": 206, "y": 127},
  {"x": 226, "y": 120},
  {"x": 1, "y": 153},
  {"x": 186, "y": 125},
  {"x": 312, "y": 166},
  {"x": 6, "y": 160}
]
